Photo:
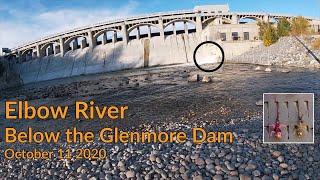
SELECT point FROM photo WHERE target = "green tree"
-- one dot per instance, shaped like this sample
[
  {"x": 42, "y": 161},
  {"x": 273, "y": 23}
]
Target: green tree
[
  {"x": 300, "y": 26},
  {"x": 268, "y": 33},
  {"x": 283, "y": 27},
  {"x": 262, "y": 28}
]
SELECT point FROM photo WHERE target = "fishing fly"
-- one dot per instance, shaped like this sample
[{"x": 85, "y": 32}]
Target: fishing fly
[
  {"x": 275, "y": 128},
  {"x": 301, "y": 126}
]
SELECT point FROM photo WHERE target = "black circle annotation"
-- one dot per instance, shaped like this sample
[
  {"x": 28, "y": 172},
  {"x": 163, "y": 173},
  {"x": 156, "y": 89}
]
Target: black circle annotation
[{"x": 195, "y": 59}]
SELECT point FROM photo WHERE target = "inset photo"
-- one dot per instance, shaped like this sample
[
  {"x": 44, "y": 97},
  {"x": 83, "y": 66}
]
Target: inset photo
[{"x": 288, "y": 118}]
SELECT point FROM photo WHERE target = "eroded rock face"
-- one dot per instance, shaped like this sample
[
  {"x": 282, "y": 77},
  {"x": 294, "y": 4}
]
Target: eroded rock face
[{"x": 7, "y": 77}]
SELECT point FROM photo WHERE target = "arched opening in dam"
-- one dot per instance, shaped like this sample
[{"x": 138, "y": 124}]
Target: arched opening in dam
[
  {"x": 108, "y": 36},
  {"x": 76, "y": 42},
  {"x": 143, "y": 31},
  {"x": 273, "y": 20},
  {"x": 27, "y": 55},
  {"x": 179, "y": 27},
  {"x": 249, "y": 20},
  {"x": 49, "y": 49},
  {"x": 212, "y": 21}
]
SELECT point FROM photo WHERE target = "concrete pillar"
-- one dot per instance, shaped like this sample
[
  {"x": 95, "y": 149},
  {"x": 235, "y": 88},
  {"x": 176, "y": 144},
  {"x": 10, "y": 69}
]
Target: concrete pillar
[
  {"x": 50, "y": 49},
  {"x": 104, "y": 38},
  {"x": 266, "y": 18},
  {"x": 161, "y": 27},
  {"x": 38, "y": 50},
  {"x": 124, "y": 33},
  {"x": 198, "y": 23},
  {"x": 83, "y": 43},
  {"x": 28, "y": 56},
  {"x": 56, "y": 49},
  {"x": 138, "y": 32},
  {"x": 74, "y": 44},
  {"x": 218, "y": 21},
  {"x": 91, "y": 40},
  {"x": 17, "y": 58},
  {"x": 186, "y": 28},
  {"x": 174, "y": 29},
  {"x": 62, "y": 47},
  {"x": 149, "y": 31},
  {"x": 34, "y": 54},
  {"x": 22, "y": 57},
  {"x": 114, "y": 37},
  {"x": 235, "y": 19},
  {"x": 313, "y": 27}
]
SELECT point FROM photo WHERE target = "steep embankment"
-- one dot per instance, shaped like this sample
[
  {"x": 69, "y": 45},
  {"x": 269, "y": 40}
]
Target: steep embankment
[
  {"x": 7, "y": 77},
  {"x": 288, "y": 51}
]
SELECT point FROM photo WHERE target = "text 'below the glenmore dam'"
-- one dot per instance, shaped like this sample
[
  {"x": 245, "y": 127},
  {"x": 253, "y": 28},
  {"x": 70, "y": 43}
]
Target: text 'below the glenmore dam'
[{"x": 114, "y": 135}]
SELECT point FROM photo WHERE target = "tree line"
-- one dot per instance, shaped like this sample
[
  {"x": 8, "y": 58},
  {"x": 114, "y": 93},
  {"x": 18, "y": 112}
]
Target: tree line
[{"x": 270, "y": 33}]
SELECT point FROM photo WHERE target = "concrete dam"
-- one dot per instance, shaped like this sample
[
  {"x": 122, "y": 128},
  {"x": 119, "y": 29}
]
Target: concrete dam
[{"x": 143, "y": 41}]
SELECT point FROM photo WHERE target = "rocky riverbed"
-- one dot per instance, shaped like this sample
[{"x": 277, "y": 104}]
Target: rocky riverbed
[{"x": 167, "y": 99}]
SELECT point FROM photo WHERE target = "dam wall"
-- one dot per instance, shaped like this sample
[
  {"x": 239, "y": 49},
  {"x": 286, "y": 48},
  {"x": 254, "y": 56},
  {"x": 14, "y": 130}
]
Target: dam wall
[{"x": 117, "y": 56}]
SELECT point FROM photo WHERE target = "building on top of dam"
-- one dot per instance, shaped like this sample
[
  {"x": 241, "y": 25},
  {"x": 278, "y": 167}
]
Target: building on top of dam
[
  {"x": 4, "y": 51},
  {"x": 140, "y": 41},
  {"x": 212, "y": 8}
]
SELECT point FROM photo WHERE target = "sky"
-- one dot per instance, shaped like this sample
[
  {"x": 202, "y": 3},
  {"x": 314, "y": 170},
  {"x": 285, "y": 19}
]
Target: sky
[{"x": 22, "y": 21}]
